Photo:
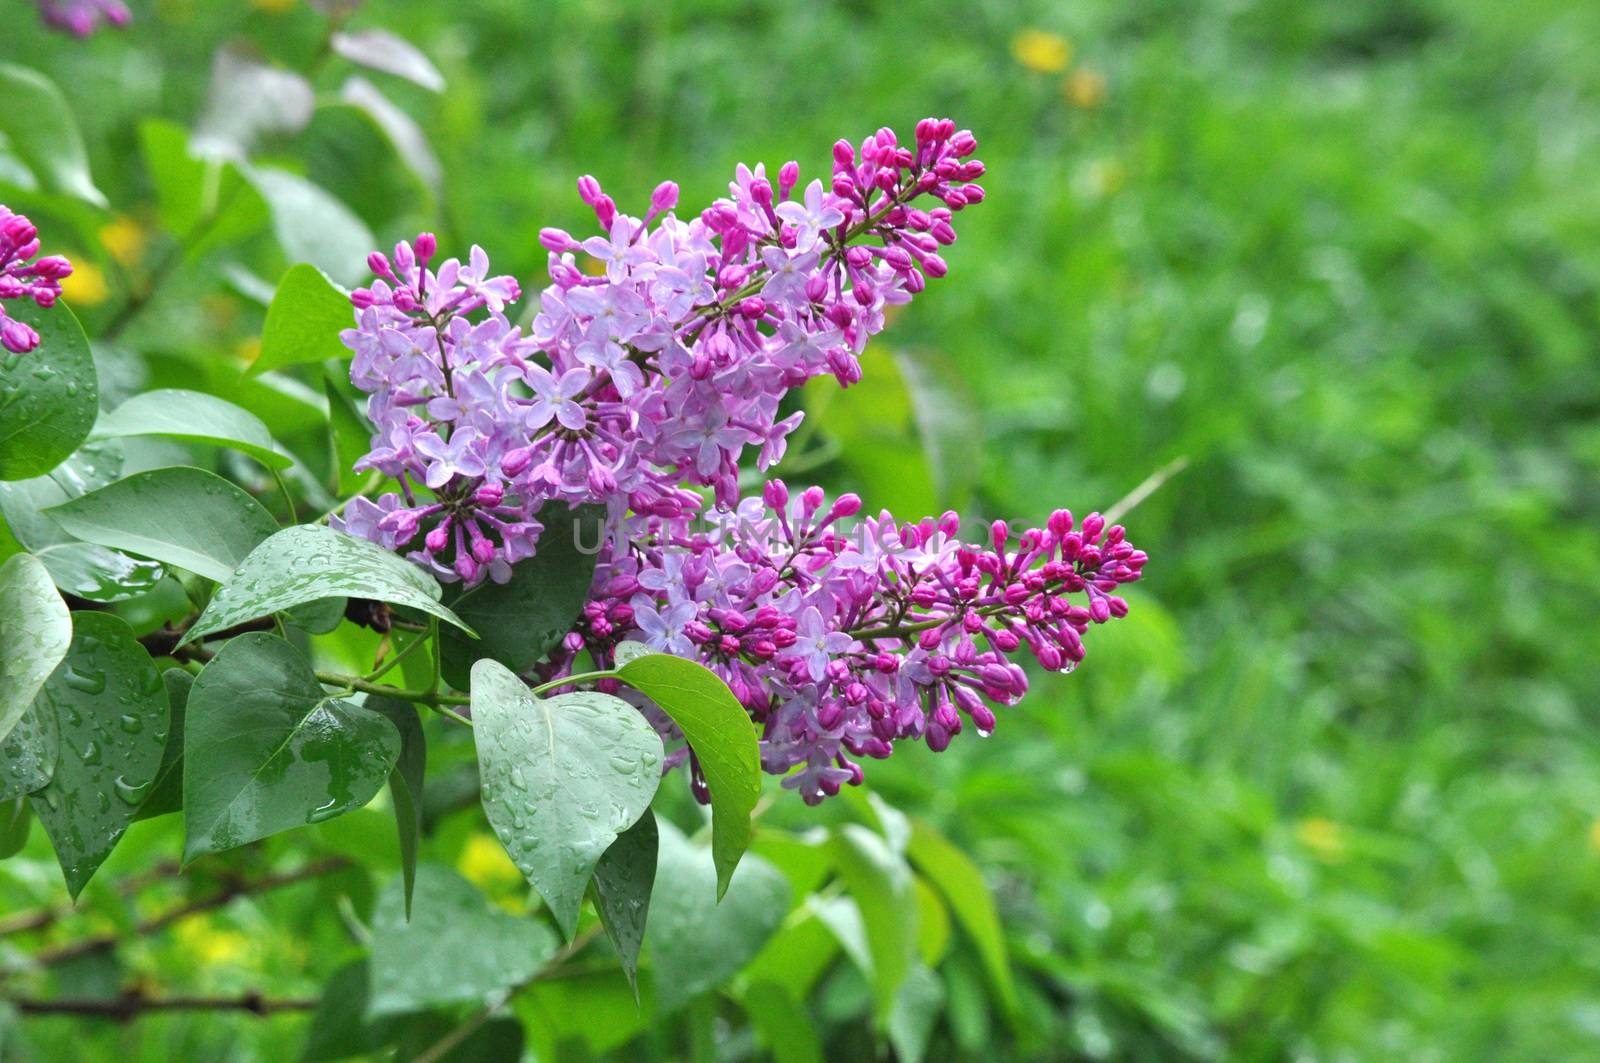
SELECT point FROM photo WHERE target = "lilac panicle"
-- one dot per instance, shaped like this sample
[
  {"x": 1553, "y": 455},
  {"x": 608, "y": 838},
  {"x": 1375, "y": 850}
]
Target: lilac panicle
[
  {"x": 82, "y": 17},
  {"x": 659, "y": 367},
  {"x": 22, "y": 276}
]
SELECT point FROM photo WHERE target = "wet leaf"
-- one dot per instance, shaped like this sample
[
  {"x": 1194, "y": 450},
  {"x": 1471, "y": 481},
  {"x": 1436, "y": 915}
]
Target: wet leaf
[
  {"x": 405, "y": 782},
  {"x": 110, "y": 709},
  {"x": 193, "y": 417},
  {"x": 456, "y": 947},
  {"x": 622, "y": 882},
  {"x": 16, "y": 820},
  {"x": 48, "y": 397},
  {"x": 35, "y": 632},
  {"x": 28, "y": 753},
  {"x": 719, "y": 731},
  {"x": 562, "y": 778},
  {"x": 696, "y": 942},
  {"x": 521, "y": 620},
  {"x": 266, "y": 749},
  {"x": 166, "y": 793},
  {"x": 221, "y": 523},
  {"x": 304, "y": 321},
  {"x": 308, "y": 562},
  {"x": 43, "y": 133}
]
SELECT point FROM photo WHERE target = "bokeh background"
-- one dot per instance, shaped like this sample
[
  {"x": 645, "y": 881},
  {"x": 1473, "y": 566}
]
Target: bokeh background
[{"x": 1330, "y": 269}]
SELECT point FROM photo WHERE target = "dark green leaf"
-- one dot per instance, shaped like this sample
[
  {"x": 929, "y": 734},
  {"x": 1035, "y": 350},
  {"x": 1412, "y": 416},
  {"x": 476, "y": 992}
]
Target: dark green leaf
[
  {"x": 523, "y": 619},
  {"x": 266, "y": 749},
  {"x": 221, "y": 523},
  {"x": 406, "y": 138},
  {"x": 50, "y": 395},
  {"x": 193, "y": 417},
  {"x": 719, "y": 731},
  {"x": 111, "y": 713},
  {"x": 882, "y": 886},
  {"x": 166, "y": 794},
  {"x": 16, "y": 819},
  {"x": 28, "y": 754},
  {"x": 339, "y": 1026},
  {"x": 350, "y": 436},
  {"x": 961, "y": 884},
  {"x": 304, "y": 321},
  {"x": 308, "y": 562},
  {"x": 622, "y": 882},
  {"x": 35, "y": 632},
  {"x": 44, "y": 134},
  {"x": 562, "y": 778},
  {"x": 455, "y": 948},
  {"x": 695, "y": 942},
  {"x": 781, "y": 1023},
  {"x": 406, "y": 782}
]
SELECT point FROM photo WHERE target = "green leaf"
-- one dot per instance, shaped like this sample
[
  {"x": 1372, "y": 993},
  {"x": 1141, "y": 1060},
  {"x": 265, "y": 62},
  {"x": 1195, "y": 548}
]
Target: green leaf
[
  {"x": 455, "y": 948},
  {"x": 349, "y": 437},
  {"x": 562, "y": 778},
  {"x": 915, "y": 1013},
  {"x": 697, "y": 943},
  {"x": 111, "y": 713},
  {"x": 247, "y": 99},
  {"x": 882, "y": 886},
  {"x": 50, "y": 395},
  {"x": 406, "y": 782},
  {"x": 719, "y": 731},
  {"x": 933, "y": 923},
  {"x": 78, "y": 568},
  {"x": 16, "y": 819},
  {"x": 308, "y": 562},
  {"x": 781, "y": 1023},
  {"x": 622, "y": 882},
  {"x": 961, "y": 884},
  {"x": 266, "y": 749},
  {"x": 220, "y": 523},
  {"x": 35, "y": 633},
  {"x": 44, "y": 134},
  {"x": 800, "y": 952},
  {"x": 28, "y": 753},
  {"x": 312, "y": 226},
  {"x": 205, "y": 202},
  {"x": 304, "y": 321},
  {"x": 521, "y": 620},
  {"x": 407, "y": 141},
  {"x": 193, "y": 417},
  {"x": 166, "y": 793},
  {"x": 339, "y": 1026},
  {"x": 383, "y": 51}
]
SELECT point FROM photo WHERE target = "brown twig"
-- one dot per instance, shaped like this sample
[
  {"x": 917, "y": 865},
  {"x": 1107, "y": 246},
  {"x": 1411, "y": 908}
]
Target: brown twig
[
  {"x": 234, "y": 888},
  {"x": 134, "y": 1002}
]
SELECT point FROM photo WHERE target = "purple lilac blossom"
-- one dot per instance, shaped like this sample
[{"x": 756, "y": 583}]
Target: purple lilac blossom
[
  {"x": 82, "y": 17},
  {"x": 842, "y": 641},
  {"x": 653, "y": 376},
  {"x": 20, "y": 278}
]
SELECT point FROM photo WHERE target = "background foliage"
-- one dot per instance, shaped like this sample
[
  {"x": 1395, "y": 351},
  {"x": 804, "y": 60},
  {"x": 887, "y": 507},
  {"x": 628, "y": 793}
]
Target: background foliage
[{"x": 1330, "y": 791}]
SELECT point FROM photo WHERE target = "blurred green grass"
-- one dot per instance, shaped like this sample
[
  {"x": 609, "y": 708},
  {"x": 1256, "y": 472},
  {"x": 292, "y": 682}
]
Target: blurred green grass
[{"x": 1331, "y": 791}]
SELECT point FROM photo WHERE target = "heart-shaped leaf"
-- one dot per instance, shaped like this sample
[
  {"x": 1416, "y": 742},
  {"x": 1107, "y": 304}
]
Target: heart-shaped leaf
[
  {"x": 193, "y": 417},
  {"x": 308, "y": 562},
  {"x": 622, "y": 882},
  {"x": 562, "y": 778},
  {"x": 35, "y": 632},
  {"x": 695, "y": 942},
  {"x": 719, "y": 731},
  {"x": 304, "y": 321},
  {"x": 521, "y": 620},
  {"x": 221, "y": 523},
  {"x": 111, "y": 713},
  {"x": 455, "y": 948},
  {"x": 51, "y": 393},
  {"x": 266, "y": 749}
]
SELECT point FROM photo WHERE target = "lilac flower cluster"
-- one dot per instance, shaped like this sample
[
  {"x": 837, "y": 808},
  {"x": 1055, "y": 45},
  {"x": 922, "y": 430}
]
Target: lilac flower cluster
[
  {"x": 82, "y": 17},
  {"x": 841, "y": 641},
  {"x": 20, "y": 278},
  {"x": 656, "y": 370}
]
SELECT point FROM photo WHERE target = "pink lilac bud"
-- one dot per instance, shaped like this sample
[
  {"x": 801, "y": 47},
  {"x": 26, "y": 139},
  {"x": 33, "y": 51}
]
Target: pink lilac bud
[{"x": 23, "y": 276}]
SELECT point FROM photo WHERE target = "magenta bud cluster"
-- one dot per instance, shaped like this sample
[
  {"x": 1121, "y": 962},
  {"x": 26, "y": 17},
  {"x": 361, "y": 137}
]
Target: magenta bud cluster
[
  {"x": 25, "y": 276},
  {"x": 82, "y": 17}
]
